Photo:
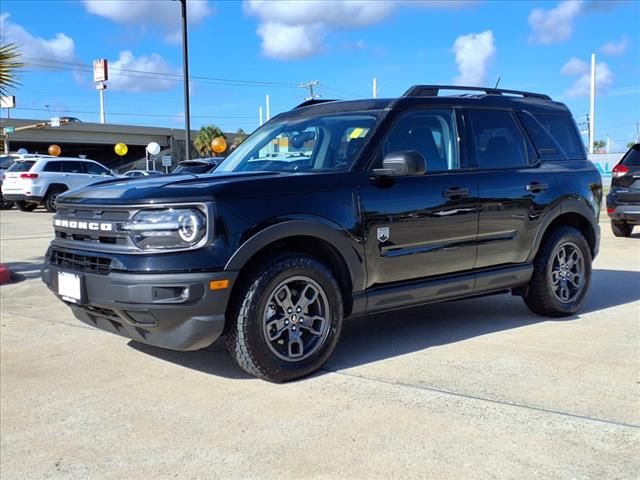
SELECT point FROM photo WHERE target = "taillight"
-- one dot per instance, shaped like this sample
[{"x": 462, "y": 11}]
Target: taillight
[
  {"x": 610, "y": 211},
  {"x": 29, "y": 175},
  {"x": 619, "y": 171}
]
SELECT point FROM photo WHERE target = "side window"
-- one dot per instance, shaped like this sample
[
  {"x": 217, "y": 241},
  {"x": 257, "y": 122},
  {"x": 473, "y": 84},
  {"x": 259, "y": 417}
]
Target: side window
[
  {"x": 53, "y": 166},
  {"x": 72, "y": 167},
  {"x": 497, "y": 139},
  {"x": 95, "y": 169},
  {"x": 564, "y": 132},
  {"x": 432, "y": 133}
]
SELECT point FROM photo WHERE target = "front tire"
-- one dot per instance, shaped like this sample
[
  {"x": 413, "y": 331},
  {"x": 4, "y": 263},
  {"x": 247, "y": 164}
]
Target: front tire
[
  {"x": 287, "y": 319},
  {"x": 25, "y": 206},
  {"x": 561, "y": 275},
  {"x": 621, "y": 229}
]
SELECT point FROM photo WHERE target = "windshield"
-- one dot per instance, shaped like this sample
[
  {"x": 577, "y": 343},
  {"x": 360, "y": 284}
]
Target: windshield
[
  {"x": 193, "y": 167},
  {"x": 323, "y": 143}
]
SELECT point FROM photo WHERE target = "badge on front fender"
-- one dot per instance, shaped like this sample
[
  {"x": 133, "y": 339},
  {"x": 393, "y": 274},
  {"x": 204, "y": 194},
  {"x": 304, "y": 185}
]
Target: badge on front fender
[{"x": 383, "y": 234}]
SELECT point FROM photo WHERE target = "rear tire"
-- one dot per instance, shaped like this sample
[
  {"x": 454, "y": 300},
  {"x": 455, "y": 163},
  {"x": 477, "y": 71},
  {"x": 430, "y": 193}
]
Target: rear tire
[
  {"x": 561, "y": 275},
  {"x": 25, "y": 206},
  {"x": 286, "y": 319},
  {"x": 6, "y": 204},
  {"x": 50, "y": 201},
  {"x": 621, "y": 229}
]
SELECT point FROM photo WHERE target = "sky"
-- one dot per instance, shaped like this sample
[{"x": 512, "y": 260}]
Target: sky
[{"x": 240, "y": 51}]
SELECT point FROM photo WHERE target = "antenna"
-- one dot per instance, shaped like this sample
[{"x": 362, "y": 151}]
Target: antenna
[{"x": 498, "y": 82}]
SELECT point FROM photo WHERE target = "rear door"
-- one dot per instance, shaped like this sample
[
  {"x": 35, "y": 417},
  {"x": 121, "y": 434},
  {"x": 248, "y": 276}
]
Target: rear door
[
  {"x": 514, "y": 187},
  {"x": 626, "y": 177}
]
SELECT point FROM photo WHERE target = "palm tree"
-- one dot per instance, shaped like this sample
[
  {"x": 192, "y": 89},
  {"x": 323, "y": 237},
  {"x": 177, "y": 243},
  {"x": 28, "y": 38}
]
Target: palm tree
[
  {"x": 238, "y": 138},
  {"x": 202, "y": 142},
  {"x": 9, "y": 64}
]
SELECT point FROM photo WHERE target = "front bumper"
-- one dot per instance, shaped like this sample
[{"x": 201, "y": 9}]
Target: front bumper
[{"x": 175, "y": 311}]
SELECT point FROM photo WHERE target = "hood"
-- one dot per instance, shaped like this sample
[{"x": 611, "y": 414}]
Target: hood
[{"x": 187, "y": 188}]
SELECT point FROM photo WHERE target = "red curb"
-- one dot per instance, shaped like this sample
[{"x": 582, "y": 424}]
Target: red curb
[{"x": 5, "y": 275}]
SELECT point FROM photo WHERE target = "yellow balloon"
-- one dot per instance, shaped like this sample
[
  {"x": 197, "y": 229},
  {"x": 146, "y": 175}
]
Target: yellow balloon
[
  {"x": 218, "y": 144},
  {"x": 54, "y": 150},
  {"x": 121, "y": 149}
]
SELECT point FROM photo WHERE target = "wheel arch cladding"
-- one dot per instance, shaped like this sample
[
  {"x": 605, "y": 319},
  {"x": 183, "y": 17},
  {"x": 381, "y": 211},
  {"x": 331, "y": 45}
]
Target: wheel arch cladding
[
  {"x": 319, "y": 241},
  {"x": 573, "y": 219},
  {"x": 56, "y": 187}
]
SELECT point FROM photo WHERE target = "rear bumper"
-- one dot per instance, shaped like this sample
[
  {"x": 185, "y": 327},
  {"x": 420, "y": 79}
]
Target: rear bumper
[
  {"x": 624, "y": 213},
  {"x": 21, "y": 198},
  {"x": 175, "y": 311}
]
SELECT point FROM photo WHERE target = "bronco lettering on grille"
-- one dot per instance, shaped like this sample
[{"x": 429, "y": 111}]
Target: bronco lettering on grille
[{"x": 95, "y": 226}]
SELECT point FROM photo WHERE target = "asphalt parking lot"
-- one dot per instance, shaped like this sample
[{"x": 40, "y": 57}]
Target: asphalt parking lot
[{"x": 475, "y": 389}]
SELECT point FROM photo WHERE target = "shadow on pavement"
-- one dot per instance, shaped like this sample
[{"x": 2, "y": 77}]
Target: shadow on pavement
[
  {"x": 377, "y": 337},
  {"x": 25, "y": 270}
]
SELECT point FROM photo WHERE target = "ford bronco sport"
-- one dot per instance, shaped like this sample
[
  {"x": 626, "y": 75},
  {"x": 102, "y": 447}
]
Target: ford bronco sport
[{"x": 333, "y": 210}]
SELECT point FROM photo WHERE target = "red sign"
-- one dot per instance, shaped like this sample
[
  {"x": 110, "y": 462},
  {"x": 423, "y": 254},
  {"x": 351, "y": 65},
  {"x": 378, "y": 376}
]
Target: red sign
[{"x": 100, "y": 70}]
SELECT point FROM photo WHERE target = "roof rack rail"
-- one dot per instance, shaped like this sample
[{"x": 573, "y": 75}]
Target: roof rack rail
[
  {"x": 313, "y": 101},
  {"x": 433, "y": 90}
]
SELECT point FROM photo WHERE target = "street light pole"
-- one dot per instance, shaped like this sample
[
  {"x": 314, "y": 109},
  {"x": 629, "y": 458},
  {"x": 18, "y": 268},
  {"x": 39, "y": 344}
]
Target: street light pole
[{"x": 185, "y": 63}]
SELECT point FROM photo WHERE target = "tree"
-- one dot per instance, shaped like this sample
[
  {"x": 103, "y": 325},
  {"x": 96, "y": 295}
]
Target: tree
[
  {"x": 599, "y": 144},
  {"x": 9, "y": 64},
  {"x": 238, "y": 138},
  {"x": 630, "y": 144},
  {"x": 202, "y": 142}
]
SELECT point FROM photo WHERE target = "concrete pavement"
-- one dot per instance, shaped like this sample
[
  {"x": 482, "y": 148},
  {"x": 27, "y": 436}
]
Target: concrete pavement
[{"x": 474, "y": 389}]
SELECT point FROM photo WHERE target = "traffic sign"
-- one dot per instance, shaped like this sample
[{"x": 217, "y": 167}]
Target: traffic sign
[
  {"x": 166, "y": 160},
  {"x": 8, "y": 130}
]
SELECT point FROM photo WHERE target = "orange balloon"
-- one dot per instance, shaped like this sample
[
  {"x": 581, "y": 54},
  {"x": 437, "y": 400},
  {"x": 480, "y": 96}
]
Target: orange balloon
[
  {"x": 54, "y": 150},
  {"x": 218, "y": 144}
]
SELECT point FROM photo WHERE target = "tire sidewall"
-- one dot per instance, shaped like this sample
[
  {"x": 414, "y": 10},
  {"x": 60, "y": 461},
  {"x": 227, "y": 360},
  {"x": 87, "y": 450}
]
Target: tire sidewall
[
  {"x": 564, "y": 236},
  {"x": 48, "y": 202},
  {"x": 261, "y": 291}
]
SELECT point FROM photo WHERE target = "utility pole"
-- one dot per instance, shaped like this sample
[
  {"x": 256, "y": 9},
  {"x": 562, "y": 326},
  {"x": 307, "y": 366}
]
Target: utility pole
[
  {"x": 310, "y": 85},
  {"x": 260, "y": 115},
  {"x": 185, "y": 63},
  {"x": 268, "y": 105},
  {"x": 375, "y": 87},
  {"x": 592, "y": 109},
  {"x": 101, "y": 87}
]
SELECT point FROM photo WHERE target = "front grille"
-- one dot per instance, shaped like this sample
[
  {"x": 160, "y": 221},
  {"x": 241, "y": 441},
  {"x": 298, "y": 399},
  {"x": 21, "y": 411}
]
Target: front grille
[{"x": 80, "y": 263}]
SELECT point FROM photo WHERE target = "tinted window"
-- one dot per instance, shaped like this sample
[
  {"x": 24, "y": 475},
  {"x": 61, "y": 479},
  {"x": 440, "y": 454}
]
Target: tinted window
[
  {"x": 21, "y": 167},
  {"x": 432, "y": 133},
  {"x": 632, "y": 157},
  {"x": 95, "y": 169},
  {"x": 53, "y": 167},
  {"x": 497, "y": 139},
  {"x": 6, "y": 161},
  {"x": 564, "y": 132},
  {"x": 72, "y": 167}
]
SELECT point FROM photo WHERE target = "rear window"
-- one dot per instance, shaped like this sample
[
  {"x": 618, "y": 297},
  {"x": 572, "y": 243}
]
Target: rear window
[
  {"x": 562, "y": 129},
  {"x": 21, "y": 167},
  {"x": 632, "y": 157}
]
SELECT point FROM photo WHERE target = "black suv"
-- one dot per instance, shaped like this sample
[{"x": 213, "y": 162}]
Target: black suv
[
  {"x": 623, "y": 201},
  {"x": 332, "y": 210}
]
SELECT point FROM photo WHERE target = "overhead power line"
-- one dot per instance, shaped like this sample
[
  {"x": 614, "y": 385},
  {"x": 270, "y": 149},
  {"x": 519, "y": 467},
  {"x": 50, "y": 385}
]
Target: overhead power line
[{"x": 129, "y": 114}]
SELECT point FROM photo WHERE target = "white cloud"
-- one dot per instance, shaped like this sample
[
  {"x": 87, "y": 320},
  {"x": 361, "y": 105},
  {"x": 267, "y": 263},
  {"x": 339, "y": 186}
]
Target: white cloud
[
  {"x": 575, "y": 66},
  {"x": 58, "y": 48},
  {"x": 615, "y": 48},
  {"x": 151, "y": 12},
  {"x": 582, "y": 86},
  {"x": 128, "y": 73},
  {"x": 291, "y": 30},
  {"x": 554, "y": 25},
  {"x": 473, "y": 52}
]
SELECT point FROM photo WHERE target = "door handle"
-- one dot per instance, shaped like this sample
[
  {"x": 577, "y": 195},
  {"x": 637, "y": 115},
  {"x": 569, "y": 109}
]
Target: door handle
[
  {"x": 536, "y": 187},
  {"x": 455, "y": 193}
]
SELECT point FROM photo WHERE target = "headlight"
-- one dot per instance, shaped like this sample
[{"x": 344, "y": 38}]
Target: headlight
[{"x": 167, "y": 228}]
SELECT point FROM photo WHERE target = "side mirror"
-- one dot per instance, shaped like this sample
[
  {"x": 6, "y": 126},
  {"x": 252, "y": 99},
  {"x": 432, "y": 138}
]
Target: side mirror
[{"x": 402, "y": 164}]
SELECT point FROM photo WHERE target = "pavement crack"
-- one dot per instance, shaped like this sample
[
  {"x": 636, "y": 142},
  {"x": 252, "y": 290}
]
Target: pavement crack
[{"x": 485, "y": 399}]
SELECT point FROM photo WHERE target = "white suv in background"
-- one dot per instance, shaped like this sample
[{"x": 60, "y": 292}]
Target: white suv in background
[{"x": 32, "y": 181}]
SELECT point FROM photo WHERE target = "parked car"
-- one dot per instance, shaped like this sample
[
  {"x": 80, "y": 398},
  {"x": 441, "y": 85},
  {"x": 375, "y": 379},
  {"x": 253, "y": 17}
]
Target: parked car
[
  {"x": 5, "y": 162},
  {"x": 335, "y": 210},
  {"x": 623, "y": 201},
  {"x": 33, "y": 180},
  {"x": 141, "y": 173},
  {"x": 198, "y": 165}
]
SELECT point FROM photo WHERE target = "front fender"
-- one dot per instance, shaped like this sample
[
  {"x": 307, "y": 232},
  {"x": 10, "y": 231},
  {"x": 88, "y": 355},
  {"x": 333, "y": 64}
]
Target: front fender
[{"x": 348, "y": 247}]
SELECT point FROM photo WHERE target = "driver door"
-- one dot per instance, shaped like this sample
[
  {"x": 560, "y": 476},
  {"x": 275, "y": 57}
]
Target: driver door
[{"x": 423, "y": 225}]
